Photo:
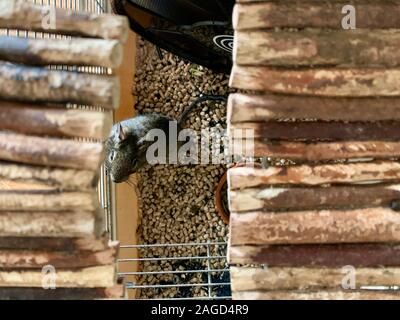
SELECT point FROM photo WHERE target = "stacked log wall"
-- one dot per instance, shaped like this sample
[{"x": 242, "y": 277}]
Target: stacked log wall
[
  {"x": 51, "y": 152},
  {"x": 323, "y": 107}
]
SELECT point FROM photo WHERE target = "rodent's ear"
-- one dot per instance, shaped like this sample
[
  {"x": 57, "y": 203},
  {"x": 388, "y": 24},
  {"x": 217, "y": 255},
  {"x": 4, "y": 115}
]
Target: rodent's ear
[{"x": 121, "y": 134}]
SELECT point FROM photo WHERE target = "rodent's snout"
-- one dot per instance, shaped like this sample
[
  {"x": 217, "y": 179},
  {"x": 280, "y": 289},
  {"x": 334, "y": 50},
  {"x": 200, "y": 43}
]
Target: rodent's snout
[{"x": 119, "y": 180}]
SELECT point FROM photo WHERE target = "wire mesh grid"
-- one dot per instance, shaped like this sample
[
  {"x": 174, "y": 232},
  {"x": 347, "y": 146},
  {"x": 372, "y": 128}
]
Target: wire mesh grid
[{"x": 180, "y": 277}]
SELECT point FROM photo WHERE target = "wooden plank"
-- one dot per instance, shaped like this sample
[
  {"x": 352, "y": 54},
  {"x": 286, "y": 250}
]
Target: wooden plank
[
  {"x": 46, "y": 121},
  {"x": 51, "y": 151},
  {"x": 312, "y": 47},
  {"x": 321, "y": 131},
  {"x": 74, "y": 51},
  {"x": 27, "y": 259},
  {"x": 20, "y": 14},
  {"x": 262, "y": 108},
  {"x": 306, "y": 198},
  {"x": 93, "y": 277},
  {"x": 251, "y": 279},
  {"x": 36, "y": 84},
  {"x": 318, "y": 295},
  {"x": 43, "y": 200},
  {"x": 353, "y": 173},
  {"x": 271, "y": 14},
  {"x": 114, "y": 292},
  {"x": 127, "y": 202},
  {"x": 370, "y": 225},
  {"x": 47, "y": 224},
  {"x": 328, "y": 82},
  {"x": 66, "y": 179},
  {"x": 317, "y": 151},
  {"x": 338, "y": 255},
  {"x": 54, "y": 244}
]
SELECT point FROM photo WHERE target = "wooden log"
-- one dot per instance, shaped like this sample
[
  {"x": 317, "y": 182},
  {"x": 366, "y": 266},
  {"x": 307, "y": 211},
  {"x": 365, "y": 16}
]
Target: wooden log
[
  {"x": 370, "y": 225},
  {"x": 93, "y": 277},
  {"x": 36, "y": 84},
  {"x": 46, "y": 121},
  {"x": 55, "y": 244},
  {"x": 12, "y": 185},
  {"x": 47, "y": 224},
  {"x": 114, "y": 292},
  {"x": 318, "y": 295},
  {"x": 372, "y": 14},
  {"x": 339, "y": 255},
  {"x": 262, "y": 108},
  {"x": 306, "y": 198},
  {"x": 87, "y": 52},
  {"x": 20, "y": 14},
  {"x": 251, "y": 279},
  {"x": 317, "y": 151},
  {"x": 27, "y": 259},
  {"x": 351, "y": 173},
  {"x": 51, "y": 151},
  {"x": 328, "y": 82},
  {"x": 65, "y": 179},
  {"x": 42, "y": 200},
  {"x": 318, "y": 48},
  {"x": 321, "y": 131}
]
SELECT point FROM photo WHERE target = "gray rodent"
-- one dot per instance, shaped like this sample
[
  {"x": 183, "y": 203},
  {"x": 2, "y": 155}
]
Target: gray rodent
[{"x": 126, "y": 146}]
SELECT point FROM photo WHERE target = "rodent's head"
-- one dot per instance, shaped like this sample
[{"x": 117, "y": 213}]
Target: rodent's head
[{"x": 122, "y": 158}]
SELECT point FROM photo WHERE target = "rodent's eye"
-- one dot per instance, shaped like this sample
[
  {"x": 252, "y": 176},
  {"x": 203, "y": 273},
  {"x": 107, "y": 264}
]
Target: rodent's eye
[{"x": 112, "y": 156}]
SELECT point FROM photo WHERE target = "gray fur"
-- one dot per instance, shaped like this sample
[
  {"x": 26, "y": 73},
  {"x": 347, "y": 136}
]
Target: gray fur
[{"x": 126, "y": 155}]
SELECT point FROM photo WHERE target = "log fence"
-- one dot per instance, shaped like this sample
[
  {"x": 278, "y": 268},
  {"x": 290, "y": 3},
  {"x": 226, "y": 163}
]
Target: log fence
[
  {"x": 51, "y": 151},
  {"x": 326, "y": 99}
]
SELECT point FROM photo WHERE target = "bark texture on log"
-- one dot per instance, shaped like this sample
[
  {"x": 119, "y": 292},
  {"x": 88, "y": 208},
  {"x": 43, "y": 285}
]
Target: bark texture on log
[
  {"x": 318, "y": 48},
  {"x": 65, "y": 179},
  {"x": 114, "y": 292},
  {"x": 35, "y": 84},
  {"x": 262, "y": 108},
  {"x": 357, "y": 255},
  {"x": 250, "y": 279},
  {"x": 45, "y": 121},
  {"x": 317, "y": 151},
  {"x": 322, "y": 131},
  {"x": 51, "y": 151},
  {"x": 20, "y": 14},
  {"x": 328, "y": 82},
  {"x": 53, "y": 201},
  {"x": 370, "y": 225},
  {"x": 47, "y": 224},
  {"x": 26, "y": 259},
  {"x": 353, "y": 173},
  {"x": 93, "y": 277},
  {"x": 54, "y": 244},
  {"x": 376, "y": 14},
  {"x": 318, "y": 295},
  {"x": 12, "y": 185},
  {"x": 306, "y": 198},
  {"x": 81, "y": 52}
]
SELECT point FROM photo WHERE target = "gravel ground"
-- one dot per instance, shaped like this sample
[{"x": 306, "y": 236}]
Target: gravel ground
[{"x": 177, "y": 202}]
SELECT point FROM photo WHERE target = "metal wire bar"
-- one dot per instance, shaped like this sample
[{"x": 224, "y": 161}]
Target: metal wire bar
[
  {"x": 208, "y": 273},
  {"x": 173, "y": 258},
  {"x": 162, "y": 245},
  {"x": 141, "y": 273},
  {"x": 183, "y": 285}
]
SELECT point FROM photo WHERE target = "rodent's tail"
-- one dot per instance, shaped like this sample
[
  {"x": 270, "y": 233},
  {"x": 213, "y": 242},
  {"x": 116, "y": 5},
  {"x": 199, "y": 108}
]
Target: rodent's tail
[{"x": 199, "y": 100}]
